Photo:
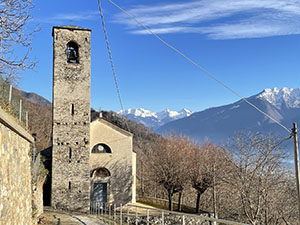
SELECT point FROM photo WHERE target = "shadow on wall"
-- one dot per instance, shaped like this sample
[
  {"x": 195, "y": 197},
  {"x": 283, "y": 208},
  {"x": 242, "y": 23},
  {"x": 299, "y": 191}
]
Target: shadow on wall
[
  {"x": 47, "y": 161},
  {"x": 119, "y": 183}
]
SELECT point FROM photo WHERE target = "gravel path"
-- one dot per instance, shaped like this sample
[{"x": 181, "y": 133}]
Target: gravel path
[
  {"x": 55, "y": 217},
  {"x": 87, "y": 220}
]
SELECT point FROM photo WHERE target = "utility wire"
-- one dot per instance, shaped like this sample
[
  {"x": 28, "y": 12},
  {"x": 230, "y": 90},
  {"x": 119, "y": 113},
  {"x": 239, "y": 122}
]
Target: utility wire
[
  {"x": 112, "y": 64},
  {"x": 280, "y": 142},
  {"x": 201, "y": 68}
]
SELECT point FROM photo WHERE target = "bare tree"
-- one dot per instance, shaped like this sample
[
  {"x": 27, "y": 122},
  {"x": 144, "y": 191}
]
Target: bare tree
[
  {"x": 256, "y": 178},
  {"x": 168, "y": 162},
  {"x": 15, "y": 44},
  {"x": 202, "y": 169}
]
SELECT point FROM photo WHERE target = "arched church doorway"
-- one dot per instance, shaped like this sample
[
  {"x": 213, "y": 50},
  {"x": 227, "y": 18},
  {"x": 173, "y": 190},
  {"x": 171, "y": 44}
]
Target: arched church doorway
[{"x": 100, "y": 187}]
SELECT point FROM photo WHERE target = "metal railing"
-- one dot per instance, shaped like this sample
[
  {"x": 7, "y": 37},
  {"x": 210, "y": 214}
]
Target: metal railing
[
  {"x": 131, "y": 214},
  {"x": 11, "y": 103}
]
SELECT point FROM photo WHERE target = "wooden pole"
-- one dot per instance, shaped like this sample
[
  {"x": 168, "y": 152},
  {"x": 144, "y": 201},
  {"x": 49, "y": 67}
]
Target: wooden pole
[
  {"x": 214, "y": 193},
  {"x": 296, "y": 157}
]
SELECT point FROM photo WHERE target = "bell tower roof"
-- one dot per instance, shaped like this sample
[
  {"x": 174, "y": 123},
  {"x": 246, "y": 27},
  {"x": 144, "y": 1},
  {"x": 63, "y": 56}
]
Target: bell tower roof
[{"x": 70, "y": 27}]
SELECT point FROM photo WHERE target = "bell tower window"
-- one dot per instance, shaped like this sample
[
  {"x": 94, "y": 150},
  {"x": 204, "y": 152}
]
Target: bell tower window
[{"x": 72, "y": 52}]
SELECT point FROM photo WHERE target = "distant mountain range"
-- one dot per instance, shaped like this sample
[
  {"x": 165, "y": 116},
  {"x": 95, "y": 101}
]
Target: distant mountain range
[
  {"x": 154, "y": 120},
  {"x": 34, "y": 98},
  {"x": 219, "y": 123}
]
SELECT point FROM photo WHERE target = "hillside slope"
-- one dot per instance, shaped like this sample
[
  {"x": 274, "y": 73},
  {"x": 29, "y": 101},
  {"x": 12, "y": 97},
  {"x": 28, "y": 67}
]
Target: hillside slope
[{"x": 39, "y": 117}]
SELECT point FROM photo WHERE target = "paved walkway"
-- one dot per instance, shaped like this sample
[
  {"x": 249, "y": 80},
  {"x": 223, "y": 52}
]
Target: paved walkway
[{"x": 55, "y": 217}]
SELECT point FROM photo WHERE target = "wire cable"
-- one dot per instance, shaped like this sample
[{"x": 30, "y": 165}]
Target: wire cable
[
  {"x": 201, "y": 68},
  {"x": 112, "y": 64},
  {"x": 280, "y": 142}
]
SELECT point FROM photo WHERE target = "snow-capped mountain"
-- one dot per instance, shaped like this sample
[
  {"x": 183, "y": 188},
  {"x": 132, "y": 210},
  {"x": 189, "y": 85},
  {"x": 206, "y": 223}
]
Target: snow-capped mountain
[
  {"x": 154, "y": 120},
  {"x": 168, "y": 115},
  {"x": 288, "y": 97},
  {"x": 219, "y": 123}
]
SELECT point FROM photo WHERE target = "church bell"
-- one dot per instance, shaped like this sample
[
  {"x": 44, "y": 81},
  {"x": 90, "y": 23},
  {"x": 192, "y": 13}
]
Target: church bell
[{"x": 72, "y": 55}]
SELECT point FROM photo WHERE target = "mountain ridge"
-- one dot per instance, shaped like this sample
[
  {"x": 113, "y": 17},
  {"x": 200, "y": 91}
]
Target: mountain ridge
[
  {"x": 220, "y": 123},
  {"x": 34, "y": 98},
  {"x": 276, "y": 96},
  {"x": 153, "y": 120}
]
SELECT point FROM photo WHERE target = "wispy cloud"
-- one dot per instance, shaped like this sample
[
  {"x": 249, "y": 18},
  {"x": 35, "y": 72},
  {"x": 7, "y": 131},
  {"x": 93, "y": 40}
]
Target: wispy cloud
[
  {"x": 72, "y": 17},
  {"x": 218, "y": 19}
]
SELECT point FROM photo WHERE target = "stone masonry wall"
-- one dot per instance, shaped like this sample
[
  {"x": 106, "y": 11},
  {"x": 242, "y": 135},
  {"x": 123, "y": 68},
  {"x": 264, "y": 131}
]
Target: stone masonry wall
[
  {"x": 71, "y": 121},
  {"x": 15, "y": 174}
]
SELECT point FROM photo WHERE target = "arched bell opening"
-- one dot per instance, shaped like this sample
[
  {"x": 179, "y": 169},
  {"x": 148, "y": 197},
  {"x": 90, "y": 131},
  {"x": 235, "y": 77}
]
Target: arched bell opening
[{"x": 72, "y": 52}]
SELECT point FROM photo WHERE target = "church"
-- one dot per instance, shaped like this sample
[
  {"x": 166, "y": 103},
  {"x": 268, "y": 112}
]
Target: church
[{"x": 91, "y": 160}]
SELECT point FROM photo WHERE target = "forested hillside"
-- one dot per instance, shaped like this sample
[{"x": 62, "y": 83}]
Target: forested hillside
[{"x": 39, "y": 119}]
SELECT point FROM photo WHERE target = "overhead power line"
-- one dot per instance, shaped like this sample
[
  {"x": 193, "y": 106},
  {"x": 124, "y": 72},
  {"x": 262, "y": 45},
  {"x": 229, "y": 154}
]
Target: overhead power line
[
  {"x": 280, "y": 142},
  {"x": 201, "y": 68},
  {"x": 111, "y": 62}
]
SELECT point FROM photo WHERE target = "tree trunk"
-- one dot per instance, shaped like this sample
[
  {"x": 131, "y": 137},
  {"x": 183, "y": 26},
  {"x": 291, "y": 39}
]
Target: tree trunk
[
  {"x": 142, "y": 180},
  {"x": 170, "y": 200},
  {"x": 179, "y": 200},
  {"x": 198, "y": 202}
]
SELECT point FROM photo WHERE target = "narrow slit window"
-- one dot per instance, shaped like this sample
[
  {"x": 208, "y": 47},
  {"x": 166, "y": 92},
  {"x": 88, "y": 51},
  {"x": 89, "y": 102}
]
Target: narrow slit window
[
  {"x": 70, "y": 153},
  {"x": 72, "y": 110},
  {"x": 69, "y": 185}
]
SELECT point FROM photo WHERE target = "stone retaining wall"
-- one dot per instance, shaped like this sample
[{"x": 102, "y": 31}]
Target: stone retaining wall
[{"x": 15, "y": 174}]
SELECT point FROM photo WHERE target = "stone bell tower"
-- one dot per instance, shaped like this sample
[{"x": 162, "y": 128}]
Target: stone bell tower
[{"x": 71, "y": 118}]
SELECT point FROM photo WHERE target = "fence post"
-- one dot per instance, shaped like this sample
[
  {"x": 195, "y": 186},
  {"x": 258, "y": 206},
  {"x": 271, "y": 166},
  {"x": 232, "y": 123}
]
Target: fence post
[
  {"x": 127, "y": 214},
  {"x": 115, "y": 216},
  {"x": 147, "y": 216},
  {"x": 98, "y": 212},
  {"x": 10, "y": 93},
  {"x": 109, "y": 212},
  {"x": 136, "y": 216},
  {"x": 120, "y": 214},
  {"x": 93, "y": 208},
  {"x": 20, "y": 111},
  {"x": 26, "y": 119}
]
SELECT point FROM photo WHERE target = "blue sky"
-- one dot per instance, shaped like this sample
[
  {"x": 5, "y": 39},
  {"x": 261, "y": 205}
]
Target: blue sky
[{"x": 248, "y": 44}]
